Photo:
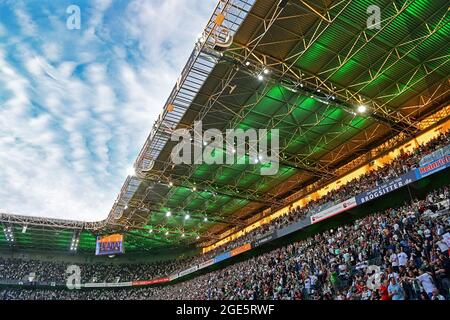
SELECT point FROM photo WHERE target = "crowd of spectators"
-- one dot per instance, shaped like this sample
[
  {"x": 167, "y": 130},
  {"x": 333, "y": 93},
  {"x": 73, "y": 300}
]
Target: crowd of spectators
[
  {"x": 17, "y": 269},
  {"x": 405, "y": 162},
  {"x": 399, "y": 254},
  {"x": 56, "y": 272}
]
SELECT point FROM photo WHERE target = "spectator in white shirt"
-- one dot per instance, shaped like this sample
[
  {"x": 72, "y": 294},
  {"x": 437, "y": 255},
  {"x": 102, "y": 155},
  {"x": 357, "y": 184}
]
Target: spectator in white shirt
[
  {"x": 402, "y": 258},
  {"x": 426, "y": 281}
]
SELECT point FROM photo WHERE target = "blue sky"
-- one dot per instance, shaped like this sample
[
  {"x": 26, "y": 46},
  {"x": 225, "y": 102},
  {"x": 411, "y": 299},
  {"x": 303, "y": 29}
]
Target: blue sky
[{"x": 77, "y": 105}]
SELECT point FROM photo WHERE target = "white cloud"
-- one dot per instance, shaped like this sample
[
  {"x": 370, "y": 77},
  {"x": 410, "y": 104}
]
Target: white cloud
[
  {"x": 76, "y": 109},
  {"x": 25, "y": 21}
]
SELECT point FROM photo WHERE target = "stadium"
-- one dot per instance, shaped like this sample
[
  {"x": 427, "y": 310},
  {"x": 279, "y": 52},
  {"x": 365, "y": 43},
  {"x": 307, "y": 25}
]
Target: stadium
[{"x": 350, "y": 202}]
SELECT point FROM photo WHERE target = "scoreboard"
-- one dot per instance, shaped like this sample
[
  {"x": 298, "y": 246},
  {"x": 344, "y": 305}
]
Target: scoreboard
[{"x": 112, "y": 244}]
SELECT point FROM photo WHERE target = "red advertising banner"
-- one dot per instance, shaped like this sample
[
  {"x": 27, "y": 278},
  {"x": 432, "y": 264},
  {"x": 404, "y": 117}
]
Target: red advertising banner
[
  {"x": 241, "y": 249},
  {"x": 149, "y": 282}
]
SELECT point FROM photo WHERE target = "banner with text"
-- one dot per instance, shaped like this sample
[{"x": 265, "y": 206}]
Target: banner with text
[
  {"x": 387, "y": 187},
  {"x": 265, "y": 238},
  {"x": 241, "y": 249},
  {"x": 187, "y": 271},
  {"x": 149, "y": 282},
  {"x": 435, "y": 166},
  {"x": 436, "y": 155},
  {"x": 206, "y": 264},
  {"x": 334, "y": 210}
]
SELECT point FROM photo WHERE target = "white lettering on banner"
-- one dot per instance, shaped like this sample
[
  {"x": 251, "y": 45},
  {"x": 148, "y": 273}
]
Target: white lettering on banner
[
  {"x": 119, "y": 284},
  {"x": 264, "y": 239},
  {"x": 187, "y": 271},
  {"x": 383, "y": 191},
  {"x": 95, "y": 285},
  {"x": 206, "y": 264},
  {"x": 327, "y": 213}
]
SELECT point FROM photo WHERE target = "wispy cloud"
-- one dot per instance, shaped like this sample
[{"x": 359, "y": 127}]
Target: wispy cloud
[{"x": 77, "y": 105}]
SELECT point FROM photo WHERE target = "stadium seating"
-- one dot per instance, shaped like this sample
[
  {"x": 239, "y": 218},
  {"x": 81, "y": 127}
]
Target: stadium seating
[
  {"x": 408, "y": 244},
  {"x": 326, "y": 266}
]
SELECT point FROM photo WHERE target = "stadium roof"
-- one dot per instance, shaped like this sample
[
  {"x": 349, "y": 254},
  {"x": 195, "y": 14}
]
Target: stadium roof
[{"x": 323, "y": 63}]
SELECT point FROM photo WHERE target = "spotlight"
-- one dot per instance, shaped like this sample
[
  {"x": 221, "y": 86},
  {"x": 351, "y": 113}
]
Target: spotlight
[
  {"x": 205, "y": 219},
  {"x": 168, "y": 214},
  {"x": 198, "y": 237},
  {"x": 131, "y": 171},
  {"x": 167, "y": 233},
  {"x": 260, "y": 77},
  {"x": 266, "y": 71},
  {"x": 182, "y": 235},
  {"x": 150, "y": 231},
  {"x": 171, "y": 184},
  {"x": 186, "y": 217},
  {"x": 194, "y": 189},
  {"x": 362, "y": 108},
  {"x": 247, "y": 63}
]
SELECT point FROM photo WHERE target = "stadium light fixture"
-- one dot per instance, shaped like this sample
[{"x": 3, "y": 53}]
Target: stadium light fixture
[
  {"x": 131, "y": 171},
  {"x": 186, "y": 217},
  {"x": 168, "y": 213},
  {"x": 183, "y": 235},
  {"x": 194, "y": 189},
  {"x": 205, "y": 219},
  {"x": 9, "y": 235},
  {"x": 247, "y": 63},
  {"x": 167, "y": 233},
  {"x": 75, "y": 241},
  {"x": 150, "y": 231},
  {"x": 362, "y": 108},
  {"x": 170, "y": 184},
  {"x": 260, "y": 77},
  {"x": 198, "y": 237},
  {"x": 266, "y": 71}
]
